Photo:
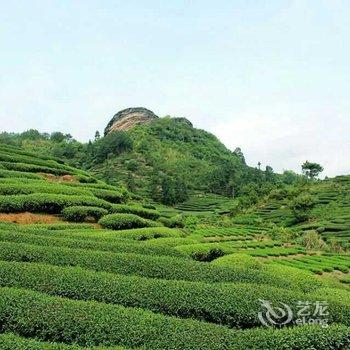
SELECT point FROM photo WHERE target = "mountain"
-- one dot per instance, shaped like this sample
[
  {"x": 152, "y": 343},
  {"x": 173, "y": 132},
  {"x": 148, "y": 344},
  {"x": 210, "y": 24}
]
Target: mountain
[
  {"x": 171, "y": 153},
  {"x": 165, "y": 159}
]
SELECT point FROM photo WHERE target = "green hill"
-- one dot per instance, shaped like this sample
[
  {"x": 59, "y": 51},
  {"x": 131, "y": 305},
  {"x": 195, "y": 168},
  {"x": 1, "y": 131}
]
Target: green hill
[
  {"x": 164, "y": 159},
  {"x": 129, "y": 282}
]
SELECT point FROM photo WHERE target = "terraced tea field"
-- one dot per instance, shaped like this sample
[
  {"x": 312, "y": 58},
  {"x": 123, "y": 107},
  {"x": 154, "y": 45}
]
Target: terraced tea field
[{"x": 109, "y": 275}]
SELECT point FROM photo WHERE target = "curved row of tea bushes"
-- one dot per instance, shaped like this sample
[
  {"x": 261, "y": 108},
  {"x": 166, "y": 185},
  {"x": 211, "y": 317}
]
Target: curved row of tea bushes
[
  {"x": 81, "y": 213},
  {"x": 85, "y": 231},
  {"x": 116, "y": 246},
  {"x": 164, "y": 267},
  {"x": 210, "y": 251},
  {"x": 47, "y": 202},
  {"x": 10, "y": 341},
  {"x": 10, "y": 186},
  {"x": 125, "y": 221},
  {"x": 41, "y": 187},
  {"x": 12, "y": 174},
  {"x": 137, "y": 210},
  {"x": 108, "y": 195},
  {"x": 16, "y": 158},
  {"x": 90, "y": 323},
  {"x": 11, "y": 149},
  {"x": 234, "y": 304},
  {"x": 32, "y": 168},
  {"x": 296, "y": 277}
]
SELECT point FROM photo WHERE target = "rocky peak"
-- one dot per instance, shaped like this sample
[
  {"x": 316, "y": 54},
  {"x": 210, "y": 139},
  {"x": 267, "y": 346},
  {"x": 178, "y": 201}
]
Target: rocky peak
[{"x": 128, "y": 118}]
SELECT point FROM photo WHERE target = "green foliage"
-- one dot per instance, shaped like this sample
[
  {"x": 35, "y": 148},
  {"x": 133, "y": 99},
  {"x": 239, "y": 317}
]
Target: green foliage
[
  {"x": 135, "y": 209},
  {"x": 191, "y": 222},
  {"x": 89, "y": 323},
  {"x": 301, "y": 206},
  {"x": 72, "y": 241},
  {"x": 175, "y": 221},
  {"x": 164, "y": 267},
  {"x": 114, "y": 144},
  {"x": 17, "y": 174},
  {"x": 311, "y": 170},
  {"x": 13, "y": 188},
  {"x": 81, "y": 213},
  {"x": 234, "y": 305},
  {"x": 47, "y": 202},
  {"x": 109, "y": 195},
  {"x": 312, "y": 240},
  {"x": 124, "y": 221},
  {"x": 9, "y": 341}
]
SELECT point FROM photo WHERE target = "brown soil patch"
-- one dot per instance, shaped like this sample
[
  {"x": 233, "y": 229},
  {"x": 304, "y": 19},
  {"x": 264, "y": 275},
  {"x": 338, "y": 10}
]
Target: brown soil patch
[
  {"x": 29, "y": 218},
  {"x": 62, "y": 178}
]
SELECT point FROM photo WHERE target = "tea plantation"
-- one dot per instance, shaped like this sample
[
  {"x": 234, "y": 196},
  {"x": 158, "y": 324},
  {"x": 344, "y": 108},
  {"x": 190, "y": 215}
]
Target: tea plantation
[{"x": 116, "y": 272}]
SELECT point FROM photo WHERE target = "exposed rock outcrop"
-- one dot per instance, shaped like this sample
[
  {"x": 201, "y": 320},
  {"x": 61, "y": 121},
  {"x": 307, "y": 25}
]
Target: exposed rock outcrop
[{"x": 128, "y": 118}]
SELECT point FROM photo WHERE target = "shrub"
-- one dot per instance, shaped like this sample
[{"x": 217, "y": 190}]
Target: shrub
[
  {"x": 89, "y": 323},
  {"x": 17, "y": 174},
  {"x": 19, "y": 187},
  {"x": 301, "y": 207},
  {"x": 242, "y": 260},
  {"x": 312, "y": 240},
  {"x": 116, "y": 245},
  {"x": 32, "y": 168},
  {"x": 88, "y": 232},
  {"x": 80, "y": 213},
  {"x": 137, "y": 210},
  {"x": 166, "y": 267},
  {"x": 124, "y": 221},
  {"x": 173, "y": 222},
  {"x": 11, "y": 341},
  {"x": 46, "y": 203},
  {"x": 234, "y": 305},
  {"x": 108, "y": 195}
]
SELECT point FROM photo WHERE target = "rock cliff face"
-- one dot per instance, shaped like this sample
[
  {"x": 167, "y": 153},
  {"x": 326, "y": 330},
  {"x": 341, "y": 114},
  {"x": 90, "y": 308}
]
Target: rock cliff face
[{"x": 128, "y": 118}]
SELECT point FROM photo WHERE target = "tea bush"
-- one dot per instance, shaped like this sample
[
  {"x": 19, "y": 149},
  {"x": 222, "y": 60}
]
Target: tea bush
[
  {"x": 108, "y": 195},
  {"x": 87, "y": 323},
  {"x": 137, "y": 210},
  {"x": 166, "y": 267},
  {"x": 125, "y": 221},
  {"x": 117, "y": 245},
  {"x": 82, "y": 213},
  {"x": 46, "y": 203},
  {"x": 231, "y": 304}
]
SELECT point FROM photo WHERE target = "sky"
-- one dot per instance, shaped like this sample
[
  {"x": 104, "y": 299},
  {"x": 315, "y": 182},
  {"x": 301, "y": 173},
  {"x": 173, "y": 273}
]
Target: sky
[{"x": 271, "y": 77}]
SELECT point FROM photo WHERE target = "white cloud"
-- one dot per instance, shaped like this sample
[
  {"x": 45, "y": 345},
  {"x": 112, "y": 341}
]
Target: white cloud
[{"x": 285, "y": 141}]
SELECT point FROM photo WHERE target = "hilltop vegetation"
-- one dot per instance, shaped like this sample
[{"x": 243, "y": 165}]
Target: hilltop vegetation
[
  {"x": 138, "y": 284},
  {"x": 158, "y": 160}
]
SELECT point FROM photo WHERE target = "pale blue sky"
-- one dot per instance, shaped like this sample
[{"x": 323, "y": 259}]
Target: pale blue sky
[{"x": 272, "y": 77}]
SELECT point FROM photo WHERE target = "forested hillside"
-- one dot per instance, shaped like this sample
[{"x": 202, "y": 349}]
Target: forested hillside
[{"x": 166, "y": 160}]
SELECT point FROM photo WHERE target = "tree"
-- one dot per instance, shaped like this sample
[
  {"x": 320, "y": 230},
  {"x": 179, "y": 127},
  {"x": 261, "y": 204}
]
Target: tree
[
  {"x": 130, "y": 182},
  {"x": 168, "y": 191},
  {"x": 311, "y": 170},
  {"x": 57, "y": 136},
  {"x": 31, "y": 134},
  {"x": 269, "y": 174},
  {"x": 180, "y": 189},
  {"x": 301, "y": 207},
  {"x": 238, "y": 152},
  {"x": 113, "y": 143},
  {"x": 289, "y": 177}
]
